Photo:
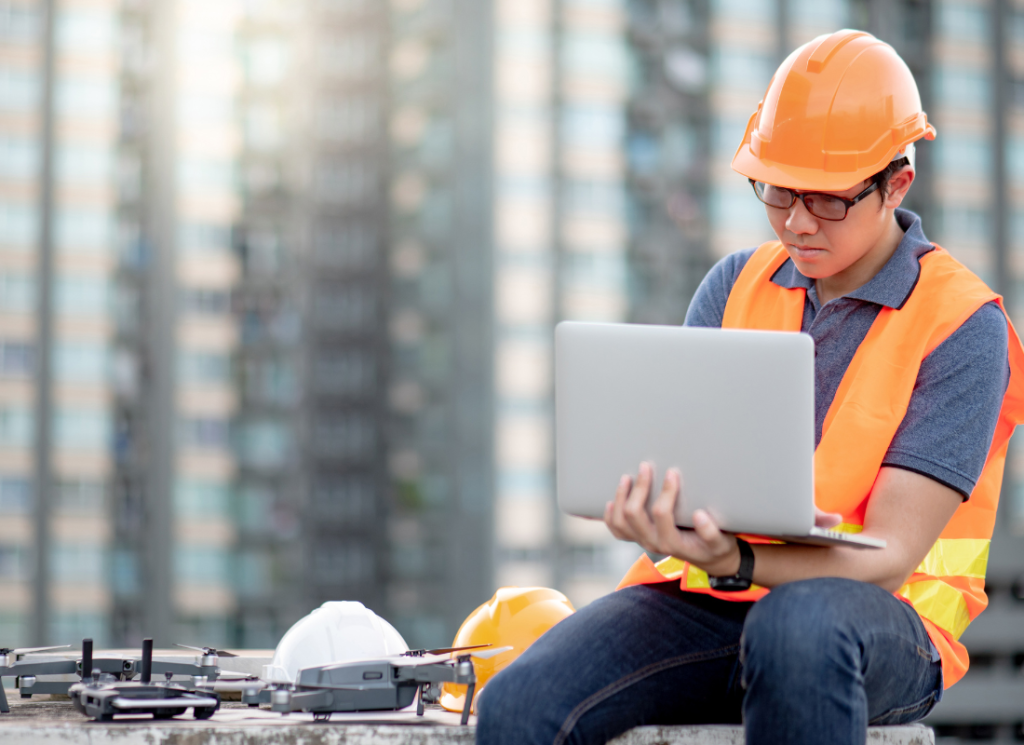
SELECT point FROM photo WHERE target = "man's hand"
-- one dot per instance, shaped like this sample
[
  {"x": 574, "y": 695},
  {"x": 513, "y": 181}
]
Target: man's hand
[{"x": 705, "y": 546}]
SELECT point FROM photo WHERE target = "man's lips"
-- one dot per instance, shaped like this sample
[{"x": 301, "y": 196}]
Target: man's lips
[{"x": 805, "y": 252}]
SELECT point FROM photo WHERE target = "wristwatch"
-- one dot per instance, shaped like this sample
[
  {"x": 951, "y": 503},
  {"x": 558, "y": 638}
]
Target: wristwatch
[{"x": 742, "y": 579}]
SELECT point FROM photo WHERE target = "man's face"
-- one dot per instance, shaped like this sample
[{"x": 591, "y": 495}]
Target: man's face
[{"x": 824, "y": 248}]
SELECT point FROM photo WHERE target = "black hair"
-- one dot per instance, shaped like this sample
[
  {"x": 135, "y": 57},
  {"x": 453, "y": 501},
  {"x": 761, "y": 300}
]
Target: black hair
[{"x": 882, "y": 177}]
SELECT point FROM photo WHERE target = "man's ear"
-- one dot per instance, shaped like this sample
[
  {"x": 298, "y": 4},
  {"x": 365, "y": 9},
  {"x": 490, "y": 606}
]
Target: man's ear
[{"x": 899, "y": 185}]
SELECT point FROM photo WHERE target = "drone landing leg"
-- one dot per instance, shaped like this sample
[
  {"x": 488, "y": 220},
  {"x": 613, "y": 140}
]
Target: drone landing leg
[
  {"x": 470, "y": 689},
  {"x": 4, "y": 708},
  {"x": 419, "y": 698}
]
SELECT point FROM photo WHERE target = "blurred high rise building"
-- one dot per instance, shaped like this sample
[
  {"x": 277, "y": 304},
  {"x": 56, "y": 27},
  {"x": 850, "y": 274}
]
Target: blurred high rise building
[{"x": 280, "y": 280}]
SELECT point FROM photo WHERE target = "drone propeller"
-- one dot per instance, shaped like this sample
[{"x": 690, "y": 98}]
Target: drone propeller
[
  {"x": 488, "y": 653},
  {"x": 27, "y": 650},
  {"x": 207, "y": 650},
  {"x": 442, "y": 650}
]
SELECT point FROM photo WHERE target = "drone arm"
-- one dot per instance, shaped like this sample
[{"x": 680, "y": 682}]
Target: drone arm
[
  {"x": 58, "y": 667},
  {"x": 176, "y": 668}
]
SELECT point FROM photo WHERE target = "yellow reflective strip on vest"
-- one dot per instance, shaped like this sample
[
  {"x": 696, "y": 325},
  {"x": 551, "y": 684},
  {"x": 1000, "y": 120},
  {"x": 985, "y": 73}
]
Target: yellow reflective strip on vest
[
  {"x": 939, "y": 603},
  {"x": 671, "y": 567},
  {"x": 957, "y": 557},
  {"x": 848, "y": 528},
  {"x": 697, "y": 579}
]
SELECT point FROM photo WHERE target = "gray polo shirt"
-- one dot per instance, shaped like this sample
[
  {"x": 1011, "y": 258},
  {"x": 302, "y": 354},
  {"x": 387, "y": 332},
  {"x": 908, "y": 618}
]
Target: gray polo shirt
[{"x": 948, "y": 427}]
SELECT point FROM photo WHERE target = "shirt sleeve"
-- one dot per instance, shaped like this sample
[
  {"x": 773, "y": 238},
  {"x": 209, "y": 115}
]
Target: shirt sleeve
[
  {"x": 948, "y": 428},
  {"x": 708, "y": 305}
]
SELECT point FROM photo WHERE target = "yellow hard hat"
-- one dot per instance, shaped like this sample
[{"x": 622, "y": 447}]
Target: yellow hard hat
[
  {"x": 837, "y": 111},
  {"x": 515, "y": 617}
]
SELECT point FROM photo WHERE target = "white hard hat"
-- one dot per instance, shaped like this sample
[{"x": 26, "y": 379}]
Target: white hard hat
[{"x": 337, "y": 631}]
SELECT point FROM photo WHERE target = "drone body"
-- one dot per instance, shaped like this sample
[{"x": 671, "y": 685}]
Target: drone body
[{"x": 376, "y": 685}]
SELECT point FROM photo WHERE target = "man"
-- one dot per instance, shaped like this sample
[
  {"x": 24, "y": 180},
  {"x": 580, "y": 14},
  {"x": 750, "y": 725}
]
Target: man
[{"x": 919, "y": 384}]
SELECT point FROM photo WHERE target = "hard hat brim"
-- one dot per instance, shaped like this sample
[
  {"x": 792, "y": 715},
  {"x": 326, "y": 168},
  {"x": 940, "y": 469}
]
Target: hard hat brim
[{"x": 747, "y": 164}]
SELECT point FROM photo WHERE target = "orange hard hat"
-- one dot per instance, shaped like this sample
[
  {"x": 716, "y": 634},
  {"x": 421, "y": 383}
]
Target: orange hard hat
[
  {"x": 515, "y": 617},
  {"x": 836, "y": 112}
]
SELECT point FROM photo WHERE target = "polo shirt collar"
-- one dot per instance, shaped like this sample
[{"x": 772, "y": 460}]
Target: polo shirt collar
[{"x": 894, "y": 282}]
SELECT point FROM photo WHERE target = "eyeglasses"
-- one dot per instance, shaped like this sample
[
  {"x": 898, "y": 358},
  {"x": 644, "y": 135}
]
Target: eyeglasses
[{"x": 823, "y": 206}]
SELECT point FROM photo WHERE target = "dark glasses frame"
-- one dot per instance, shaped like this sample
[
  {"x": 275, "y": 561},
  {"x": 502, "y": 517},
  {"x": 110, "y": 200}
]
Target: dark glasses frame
[{"x": 802, "y": 196}]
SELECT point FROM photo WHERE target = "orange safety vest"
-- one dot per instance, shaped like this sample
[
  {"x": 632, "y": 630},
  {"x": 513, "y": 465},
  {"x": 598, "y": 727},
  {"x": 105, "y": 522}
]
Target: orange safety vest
[{"x": 948, "y": 589}]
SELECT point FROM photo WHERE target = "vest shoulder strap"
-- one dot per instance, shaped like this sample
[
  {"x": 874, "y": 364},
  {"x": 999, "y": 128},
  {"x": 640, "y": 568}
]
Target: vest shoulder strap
[{"x": 756, "y": 303}]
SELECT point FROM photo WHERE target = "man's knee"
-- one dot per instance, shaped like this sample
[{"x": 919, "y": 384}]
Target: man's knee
[
  {"x": 503, "y": 700},
  {"x": 802, "y": 626}
]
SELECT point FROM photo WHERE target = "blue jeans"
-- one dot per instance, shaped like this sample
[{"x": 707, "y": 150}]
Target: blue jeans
[{"x": 814, "y": 661}]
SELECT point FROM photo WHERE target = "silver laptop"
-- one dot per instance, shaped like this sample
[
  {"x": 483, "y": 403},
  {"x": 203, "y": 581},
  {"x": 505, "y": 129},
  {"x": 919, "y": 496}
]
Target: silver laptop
[{"x": 733, "y": 410}]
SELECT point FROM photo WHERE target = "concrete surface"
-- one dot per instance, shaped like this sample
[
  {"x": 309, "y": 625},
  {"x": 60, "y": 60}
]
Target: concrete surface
[{"x": 56, "y": 722}]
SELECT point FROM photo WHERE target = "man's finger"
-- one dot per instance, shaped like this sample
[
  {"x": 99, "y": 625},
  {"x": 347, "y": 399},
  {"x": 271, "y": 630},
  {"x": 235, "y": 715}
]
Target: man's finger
[
  {"x": 635, "y": 509},
  {"x": 708, "y": 531},
  {"x": 664, "y": 513}
]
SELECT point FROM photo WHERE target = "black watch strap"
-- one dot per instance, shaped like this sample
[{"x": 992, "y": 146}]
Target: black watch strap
[{"x": 743, "y": 578}]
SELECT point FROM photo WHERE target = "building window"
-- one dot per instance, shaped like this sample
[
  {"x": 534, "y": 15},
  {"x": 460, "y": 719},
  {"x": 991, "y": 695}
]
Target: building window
[
  {"x": 202, "y": 301},
  {"x": 19, "y": 158},
  {"x": 82, "y": 429},
  {"x": 87, "y": 96},
  {"x": 255, "y": 573},
  {"x": 20, "y": 88},
  {"x": 345, "y": 499},
  {"x": 345, "y": 182},
  {"x": 77, "y": 295},
  {"x": 344, "y": 563},
  {"x": 264, "y": 443},
  {"x": 80, "y": 563},
  {"x": 205, "y": 433},
  {"x": 272, "y": 381},
  {"x": 265, "y": 62},
  {"x": 206, "y": 173},
  {"x": 963, "y": 21},
  {"x": 81, "y": 362},
  {"x": 90, "y": 166},
  {"x": 202, "y": 565},
  {"x": 17, "y": 359},
  {"x": 263, "y": 130},
  {"x": 593, "y": 125},
  {"x": 959, "y": 86},
  {"x": 348, "y": 120},
  {"x": 205, "y": 368},
  {"x": 15, "y": 495},
  {"x": 202, "y": 500},
  {"x": 350, "y": 56},
  {"x": 350, "y": 307},
  {"x": 204, "y": 236},
  {"x": 346, "y": 245},
  {"x": 593, "y": 54},
  {"x": 345, "y": 372},
  {"x": 346, "y": 436},
  {"x": 594, "y": 197},
  {"x": 17, "y": 292},
  {"x": 84, "y": 229},
  {"x": 82, "y": 496},
  {"x": 20, "y": 21},
  {"x": 16, "y": 425},
  {"x": 14, "y": 562},
  {"x": 80, "y": 29}
]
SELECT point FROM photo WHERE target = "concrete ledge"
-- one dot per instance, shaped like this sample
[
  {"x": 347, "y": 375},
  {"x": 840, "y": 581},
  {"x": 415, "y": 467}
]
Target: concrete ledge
[
  {"x": 54, "y": 722},
  {"x": 716, "y": 734}
]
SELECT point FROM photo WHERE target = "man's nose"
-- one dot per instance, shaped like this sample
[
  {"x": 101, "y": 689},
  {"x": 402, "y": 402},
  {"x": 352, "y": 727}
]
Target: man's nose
[{"x": 800, "y": 221}]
